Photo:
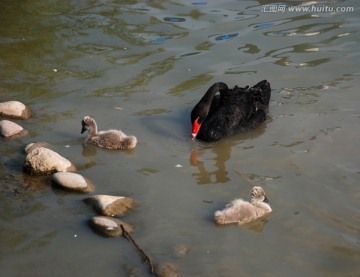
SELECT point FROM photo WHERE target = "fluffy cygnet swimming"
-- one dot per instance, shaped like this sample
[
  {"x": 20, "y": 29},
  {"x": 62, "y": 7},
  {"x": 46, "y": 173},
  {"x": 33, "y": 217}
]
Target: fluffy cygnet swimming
[
  {"x": 240, "y": 211},
  {"x": 111, "y": 139}
]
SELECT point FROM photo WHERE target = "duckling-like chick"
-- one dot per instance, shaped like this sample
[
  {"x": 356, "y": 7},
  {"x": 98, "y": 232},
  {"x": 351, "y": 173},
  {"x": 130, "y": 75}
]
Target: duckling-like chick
[
  {"x": 240, "y": 211},
  {"x": 111, "y": 139}
]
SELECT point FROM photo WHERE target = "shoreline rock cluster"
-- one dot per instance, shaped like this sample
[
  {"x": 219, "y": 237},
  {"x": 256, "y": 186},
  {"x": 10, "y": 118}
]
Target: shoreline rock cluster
[{"x": 41, "y": 160}]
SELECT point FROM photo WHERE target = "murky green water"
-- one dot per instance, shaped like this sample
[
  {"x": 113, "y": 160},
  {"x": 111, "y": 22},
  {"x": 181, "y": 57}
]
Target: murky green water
[{"x": 141, "y": 67}]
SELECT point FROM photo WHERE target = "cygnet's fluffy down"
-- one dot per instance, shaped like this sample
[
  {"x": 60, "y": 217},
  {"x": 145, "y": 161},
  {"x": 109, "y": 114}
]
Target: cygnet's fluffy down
[
  {"x": 240, "y": 211},
  {"x": 111, "y": 139}
]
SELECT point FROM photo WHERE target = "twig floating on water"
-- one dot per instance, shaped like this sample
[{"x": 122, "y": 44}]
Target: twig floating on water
[
  {"x": 246, "y": 178},
  {"x": 147, "y": 259}
]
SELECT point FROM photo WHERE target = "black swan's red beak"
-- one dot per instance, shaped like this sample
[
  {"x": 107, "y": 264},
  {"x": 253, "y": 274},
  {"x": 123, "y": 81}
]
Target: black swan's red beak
[{"x": 195, "y": 128}]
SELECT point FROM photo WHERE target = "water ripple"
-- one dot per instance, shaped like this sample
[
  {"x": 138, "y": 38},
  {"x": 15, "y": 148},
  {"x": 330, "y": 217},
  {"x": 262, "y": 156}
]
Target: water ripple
[
  {"x": 223, "y": 37},
  {"x": 200, "y": 3},
  {"x": 226, "y": 37},
  {"x": 307, "y": 30},
  {"x": 160, "y": 40},
  {"x": 174, "y": 19}
]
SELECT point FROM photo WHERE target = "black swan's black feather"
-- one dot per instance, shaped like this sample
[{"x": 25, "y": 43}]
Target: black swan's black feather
[{"x": 233, "y": 111}]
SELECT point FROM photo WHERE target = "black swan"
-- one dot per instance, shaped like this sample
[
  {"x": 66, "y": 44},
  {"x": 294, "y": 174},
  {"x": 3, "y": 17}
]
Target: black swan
[{"x": 232, "y": 111}]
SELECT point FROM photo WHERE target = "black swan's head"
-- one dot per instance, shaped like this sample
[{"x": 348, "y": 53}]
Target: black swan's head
[
  {"x": 198, "y": 115},
  {"x": 201, "y": 110}
]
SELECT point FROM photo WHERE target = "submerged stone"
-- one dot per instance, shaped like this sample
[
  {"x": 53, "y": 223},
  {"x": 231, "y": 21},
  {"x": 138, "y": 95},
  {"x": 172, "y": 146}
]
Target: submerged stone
[
  {"x": 110, "y": 227},
  {"x": 43, "y": 161},
  {"x": 110, "y": 205},
  {"x": 182, "y": 249},
  {"x": 72, "y": 181},
  {"x": 9, "y": 129},
  {"x": 14, "y": 109},
  {"x": 166, "y": 270}
]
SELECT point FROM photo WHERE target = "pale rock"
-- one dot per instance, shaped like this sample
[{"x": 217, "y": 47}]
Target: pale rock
[
  {"x": 14, "y": 109},
  {"x": 43, "y": 161},
  {"x": 9, "y": 129},
  {"x": 110, "y": 205},
  {"x": 72, "y": 181},
  {"x": 110, "y": 227}
]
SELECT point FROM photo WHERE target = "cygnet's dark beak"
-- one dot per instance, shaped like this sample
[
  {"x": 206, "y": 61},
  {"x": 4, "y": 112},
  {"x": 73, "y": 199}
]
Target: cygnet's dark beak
[
  {"x": 83, "y": 129},
  {"x": 266, "y": 200}
]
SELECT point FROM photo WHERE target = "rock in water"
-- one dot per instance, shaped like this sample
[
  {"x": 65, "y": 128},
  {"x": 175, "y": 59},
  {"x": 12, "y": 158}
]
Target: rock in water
[
  {"x": 14, "y": 109},
  {"x": 166, "y": 270},
  {"x": 182, "y": 249},
  {"x": 110, "y": 205},
  {"x": 110, "y": 227},
  {"x": 9, "y": 129},
  {"x": 72, "y": 181},
  {"x": 43, "y": 161}
]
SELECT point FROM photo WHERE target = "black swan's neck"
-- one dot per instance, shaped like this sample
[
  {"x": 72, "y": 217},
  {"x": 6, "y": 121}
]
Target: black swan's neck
[
  {"x": 206, "y": 100},
  {"x": 209, "y": 95}
]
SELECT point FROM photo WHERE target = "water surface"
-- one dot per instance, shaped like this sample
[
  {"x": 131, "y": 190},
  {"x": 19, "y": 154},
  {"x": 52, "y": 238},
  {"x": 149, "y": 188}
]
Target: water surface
[{"x": 141, "y": 66}]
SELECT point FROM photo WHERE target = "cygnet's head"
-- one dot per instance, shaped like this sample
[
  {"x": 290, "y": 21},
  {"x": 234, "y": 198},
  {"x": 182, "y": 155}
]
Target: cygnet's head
[
  {"x": 257, "y": 194},
  {"x": 87, "y": 123}
]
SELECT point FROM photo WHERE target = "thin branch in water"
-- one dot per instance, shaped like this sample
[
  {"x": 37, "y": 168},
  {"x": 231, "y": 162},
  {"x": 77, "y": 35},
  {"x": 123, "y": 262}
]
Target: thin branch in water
[
  {"x": 246, "y": 178},
  {"x": 146, "y": 257}
]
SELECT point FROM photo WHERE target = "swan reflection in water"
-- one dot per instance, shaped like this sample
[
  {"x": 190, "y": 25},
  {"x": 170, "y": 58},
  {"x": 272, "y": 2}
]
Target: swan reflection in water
[
  {"x": 214, "y": 170},
  {"x": 217, "y": 175}
]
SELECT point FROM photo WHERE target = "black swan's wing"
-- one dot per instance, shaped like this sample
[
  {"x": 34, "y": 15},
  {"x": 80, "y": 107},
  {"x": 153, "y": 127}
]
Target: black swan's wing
[
  {"x": 231, "y": 109},
  {"x": 261, "y": 93},
  {"x": 259, "y": 98},
  {"x": 241, "y": 109}
]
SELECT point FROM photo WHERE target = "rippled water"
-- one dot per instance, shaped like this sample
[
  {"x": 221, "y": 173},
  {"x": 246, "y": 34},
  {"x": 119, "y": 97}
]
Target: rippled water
[{"x": 141, "y": 67}]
